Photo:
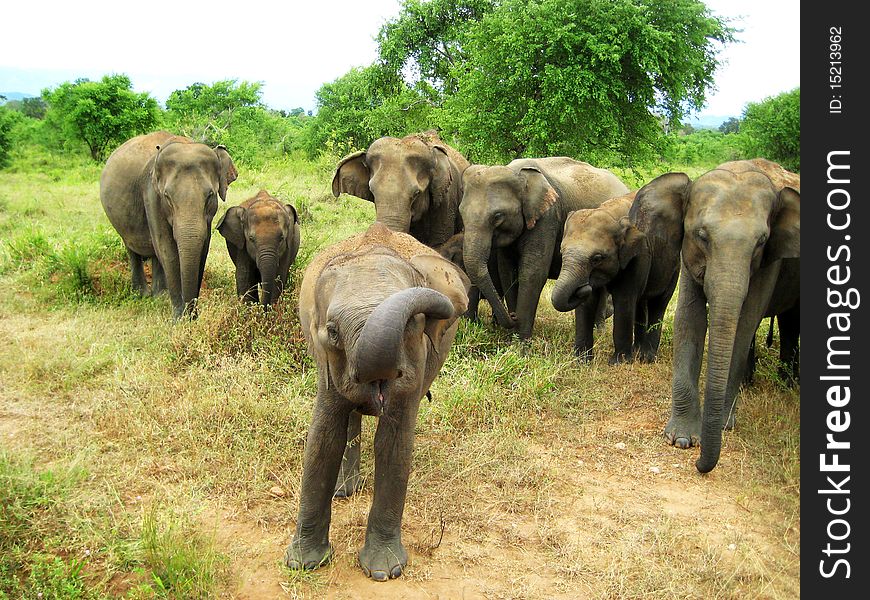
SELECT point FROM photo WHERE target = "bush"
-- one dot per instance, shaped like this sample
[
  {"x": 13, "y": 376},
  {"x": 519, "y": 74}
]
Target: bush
[{"x": 772, "y": 129}]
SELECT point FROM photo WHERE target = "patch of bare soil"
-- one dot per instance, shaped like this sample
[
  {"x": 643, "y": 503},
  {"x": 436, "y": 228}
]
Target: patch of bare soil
[{"x": 620, "y": 515}]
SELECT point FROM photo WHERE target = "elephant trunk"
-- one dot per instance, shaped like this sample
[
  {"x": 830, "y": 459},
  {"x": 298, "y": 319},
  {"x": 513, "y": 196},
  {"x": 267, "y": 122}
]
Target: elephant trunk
[
  {"x": 378, "y": 347},
  {"x": 396, "y": 220},
  {"x": 191, "y": 242},
  {"x": 267, "y": 264},
  {"x": 476, "y": 249},
  {"x": 572, "y": 287},
  {"x": 726, "y": 303}
]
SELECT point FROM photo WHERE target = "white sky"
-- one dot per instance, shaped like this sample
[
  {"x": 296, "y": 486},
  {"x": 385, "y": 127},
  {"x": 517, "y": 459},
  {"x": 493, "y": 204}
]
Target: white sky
[{"x": 293, "y": 47}]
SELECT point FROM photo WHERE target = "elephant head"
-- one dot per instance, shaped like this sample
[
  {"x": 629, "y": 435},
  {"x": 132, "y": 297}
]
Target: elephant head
[
  {"x": 375, "y": 318},
  {"x": 187, "y": 178},
  {"x": 735, "y": 222},
  {"x": 265, "y": 232},
  {"x": 597, "y": 244},
  {"x": 498, "y": 205},
  {"x": 414, "y": 183}
]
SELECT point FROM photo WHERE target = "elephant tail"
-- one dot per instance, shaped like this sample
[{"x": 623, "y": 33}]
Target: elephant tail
[{"x": 770, "y": 334}]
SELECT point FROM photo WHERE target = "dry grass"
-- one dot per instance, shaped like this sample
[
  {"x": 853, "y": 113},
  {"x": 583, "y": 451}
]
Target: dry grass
[{"x": 534, "y": 476}]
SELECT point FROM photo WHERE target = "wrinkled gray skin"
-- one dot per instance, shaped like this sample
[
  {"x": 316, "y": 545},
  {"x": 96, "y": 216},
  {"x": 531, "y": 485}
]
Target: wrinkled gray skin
[
  {"x": 603, "y": 251},
  {"x": 263, "y": 238},
  {"x": 160, "y": 192},
  {"x": 518, "y": 212},
  {"x": 740, "y": 258},
  {"x": 379, "y": 312},
  {"x": 415, "y": 183},
  {"x": 452, "y": 251}
]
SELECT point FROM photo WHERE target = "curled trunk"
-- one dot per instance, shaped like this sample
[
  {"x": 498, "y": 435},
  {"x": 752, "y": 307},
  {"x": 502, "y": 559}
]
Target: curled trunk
[
  {"x": 378, "y": 347},
  {"x": 572, "y": 287}
]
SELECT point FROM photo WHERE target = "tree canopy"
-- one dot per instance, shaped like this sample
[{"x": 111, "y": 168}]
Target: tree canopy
[
  {"x": 101, "y": 114},
  {"x": 772, "y": 129}
]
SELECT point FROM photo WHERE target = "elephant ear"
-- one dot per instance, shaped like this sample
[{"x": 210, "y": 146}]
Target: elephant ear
[
  {"x": 659, "y": 207},
  {"x": 632, "y": 242},
  {"x": 539, "y": 196},
  {"x": 291, "y": 210},
  {"x": 228, "y": 171},
  {"x": 443, "y": 276},
  {"x": 231, "y": 226},
  {"x": 785, "y": 228},
  {"x": 442, "y": 177},
  {"x": 352, "y": 177}
]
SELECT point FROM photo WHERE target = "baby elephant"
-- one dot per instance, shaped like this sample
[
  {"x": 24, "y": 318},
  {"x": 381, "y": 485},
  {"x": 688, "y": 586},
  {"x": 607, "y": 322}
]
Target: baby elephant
[
  {"x": 263, "y": 238},
  {"x": 379, "y": 312},
  {"x": 603, "y": 250}
]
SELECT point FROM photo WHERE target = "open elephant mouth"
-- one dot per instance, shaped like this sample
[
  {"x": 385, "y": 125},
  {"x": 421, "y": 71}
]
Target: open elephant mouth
[{"x": 378, "y": 394}]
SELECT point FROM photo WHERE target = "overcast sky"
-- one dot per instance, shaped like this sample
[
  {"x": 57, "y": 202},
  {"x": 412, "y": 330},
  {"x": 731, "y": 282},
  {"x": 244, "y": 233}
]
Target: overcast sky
[{"x": 294, "y": 47}]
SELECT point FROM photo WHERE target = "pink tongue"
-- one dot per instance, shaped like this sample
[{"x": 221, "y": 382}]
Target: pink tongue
[{"x": 380, "y": 397}]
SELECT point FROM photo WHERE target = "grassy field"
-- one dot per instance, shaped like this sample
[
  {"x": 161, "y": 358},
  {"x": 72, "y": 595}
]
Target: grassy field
[{"x": 145, "y": 459}]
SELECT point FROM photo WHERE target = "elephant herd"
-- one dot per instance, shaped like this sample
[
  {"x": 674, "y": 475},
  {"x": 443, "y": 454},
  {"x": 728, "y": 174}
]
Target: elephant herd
[{"x": 380, "y": 309}]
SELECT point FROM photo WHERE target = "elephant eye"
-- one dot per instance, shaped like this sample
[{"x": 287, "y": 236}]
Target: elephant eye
[
  {"x": 761, "y": 241},
  {"x": 332, "y": 332},
  {"x": 251, "y": 237},
  {"x": 597, "y": 258},
  {"x": 702, "y": 235}
]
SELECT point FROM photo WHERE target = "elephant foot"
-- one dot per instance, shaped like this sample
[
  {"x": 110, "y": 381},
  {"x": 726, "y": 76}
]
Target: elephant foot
[
  {"x": 383, "y": 560},
  {"x": 347, "y": 486},
  {"x": 645, "y": 356},
  {"x": 683, "y": 432},
  {"x": 584, "y": 355},
  {"x": 619, "y": 358},
  {"x": 300, "y": 557}
]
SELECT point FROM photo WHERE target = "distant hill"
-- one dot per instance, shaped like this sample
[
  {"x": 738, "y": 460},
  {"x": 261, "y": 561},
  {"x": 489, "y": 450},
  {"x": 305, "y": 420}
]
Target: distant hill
[
  {"x": 14, "y": 96},
  {"x": 708, "y": 121}
]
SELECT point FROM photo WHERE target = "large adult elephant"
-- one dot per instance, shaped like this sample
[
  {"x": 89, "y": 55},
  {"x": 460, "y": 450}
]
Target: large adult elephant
[
  {"x": 415, "y": 183},
  {"x": 519, "y": 212},
  {"x": 741, "y": 256},
  {"x": 160, "y": 192},
  {"x": 379, "y": 312}
]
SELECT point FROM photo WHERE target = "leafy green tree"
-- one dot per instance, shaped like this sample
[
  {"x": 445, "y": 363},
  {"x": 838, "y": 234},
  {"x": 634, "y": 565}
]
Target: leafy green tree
[
  {"x": 772, "y": 129},
  {"x": 732, "y": 125},
  {"x": 7, "y": 122},
  {"x": 232, "y": 113},
  {"x": 354, "y": 110},
  {"x": 101, "y": 114},
  {"x": 588, "y": 78},
  {"x": 29, "y": 107},
  {"x": 205, "y": 111},
  {"x": 426, "y": 41}
]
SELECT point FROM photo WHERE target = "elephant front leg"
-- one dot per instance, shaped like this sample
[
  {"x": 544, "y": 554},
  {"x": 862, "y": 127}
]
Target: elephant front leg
[
  {"x": 348, "y": 476},
  {"x": 138, "y": 272},
  {"x": 584, "y": 325},
  {"x": 324, "y": 447},
  {"x": 690, "y": 329},
  {"x": 651, "y": 335},
  {"x": 383, "y": 556},
  {"x": 158, "y": 277},
  {"x": 624, "y": 307}
]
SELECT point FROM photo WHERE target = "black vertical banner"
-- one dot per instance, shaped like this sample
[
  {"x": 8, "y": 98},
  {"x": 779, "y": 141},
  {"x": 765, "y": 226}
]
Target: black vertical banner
[{"x": 835, "y": 348}]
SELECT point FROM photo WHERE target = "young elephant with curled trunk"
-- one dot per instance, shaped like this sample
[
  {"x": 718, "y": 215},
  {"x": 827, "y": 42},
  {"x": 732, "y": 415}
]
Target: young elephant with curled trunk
[
  {"x": 414, "y": 182},
  {"x": 518, "y": 213},
  {"x": 741, "y": 258},
  {"x": 603, "y": 251},
  {"x": 379, "y": 312},
  {"x": 262, "y": 237},
  {"x": 160, "y": 192}
]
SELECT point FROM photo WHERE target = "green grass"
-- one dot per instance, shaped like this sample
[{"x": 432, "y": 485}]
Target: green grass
[{"x": 156, "y": 448}]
